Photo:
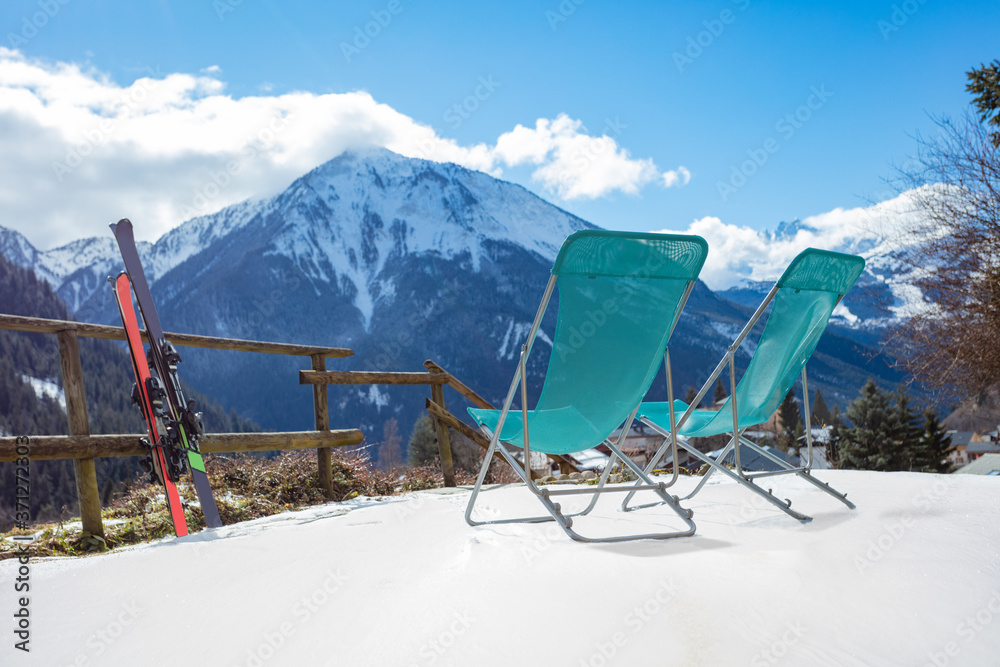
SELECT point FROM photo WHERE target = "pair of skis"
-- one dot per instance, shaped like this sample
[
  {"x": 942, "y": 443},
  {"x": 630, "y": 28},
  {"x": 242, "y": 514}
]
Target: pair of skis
[{"x": 172, "y": 423}]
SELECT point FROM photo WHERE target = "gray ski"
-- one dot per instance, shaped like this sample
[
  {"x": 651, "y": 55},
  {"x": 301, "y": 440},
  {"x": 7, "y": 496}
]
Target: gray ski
[{"x": 163, "y": 358}]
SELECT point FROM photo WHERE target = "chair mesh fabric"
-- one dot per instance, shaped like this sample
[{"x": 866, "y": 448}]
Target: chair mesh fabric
[
  {"x": 822, "y": 270},
  {"x": 619, "y": 297},
  {"x": 631, "y": 255},
  {"x": 808, "y": 292}
]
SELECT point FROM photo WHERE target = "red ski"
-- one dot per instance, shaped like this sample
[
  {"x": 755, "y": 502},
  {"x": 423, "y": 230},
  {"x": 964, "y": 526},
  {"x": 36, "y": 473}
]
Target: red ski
[
  {"x": 180, "y": 422},
  {"x": 145, "y": 385}
]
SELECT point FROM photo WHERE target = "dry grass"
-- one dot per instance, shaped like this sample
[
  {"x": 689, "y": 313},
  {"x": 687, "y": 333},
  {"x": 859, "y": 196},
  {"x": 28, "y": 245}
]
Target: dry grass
[{"x": 245, "y": 488}]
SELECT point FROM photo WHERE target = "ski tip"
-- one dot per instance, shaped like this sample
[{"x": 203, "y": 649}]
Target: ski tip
[{"x": 114, "y": 225}]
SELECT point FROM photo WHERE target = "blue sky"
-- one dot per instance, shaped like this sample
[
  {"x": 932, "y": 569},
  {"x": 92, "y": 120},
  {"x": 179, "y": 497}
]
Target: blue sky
[{"x": 821, "y": 98}]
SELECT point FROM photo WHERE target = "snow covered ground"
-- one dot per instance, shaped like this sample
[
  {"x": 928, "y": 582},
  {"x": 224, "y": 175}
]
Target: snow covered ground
[{"x": 912, "y": 577}]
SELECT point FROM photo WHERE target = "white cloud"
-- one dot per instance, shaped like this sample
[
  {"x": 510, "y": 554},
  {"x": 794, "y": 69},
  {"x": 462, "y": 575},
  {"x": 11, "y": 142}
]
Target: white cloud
[
  {"x": 740, "y": 253},
  {"x": 679, "y": 177},
  {"x": 81, "y": 150},
  {"x": 574, "y": 164}
]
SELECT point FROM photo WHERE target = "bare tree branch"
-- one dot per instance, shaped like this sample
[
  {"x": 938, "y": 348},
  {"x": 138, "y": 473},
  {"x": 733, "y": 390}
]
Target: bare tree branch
[{"x": 954, "y": 345}]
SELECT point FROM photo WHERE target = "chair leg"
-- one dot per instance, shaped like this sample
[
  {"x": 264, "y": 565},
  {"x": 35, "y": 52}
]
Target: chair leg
[
  {"x": 785, "y": 506},
  {"x": 704, "y": 478},
  {"x": 605, "y": 474},
  {"x": 822, "y": 486},
  {"x": 495, "y": 446},
  {"x": 682, "y": 442},
  {"x": 673, "y": 502},
  {"x": 565, "y": 521},
  {"x": 648, "y": 469}
]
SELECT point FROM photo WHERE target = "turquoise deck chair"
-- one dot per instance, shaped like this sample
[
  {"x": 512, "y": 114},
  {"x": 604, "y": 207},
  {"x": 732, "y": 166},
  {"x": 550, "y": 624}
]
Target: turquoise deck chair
[
  {"x": 620, "y": 294},
  {"x": 801, "y": 301}
]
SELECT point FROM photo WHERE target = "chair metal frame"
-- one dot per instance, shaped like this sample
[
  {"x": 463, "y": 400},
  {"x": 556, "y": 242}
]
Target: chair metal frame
[
  {"x": 744, "y": 478},
  {"x": 545, "y": 495}
]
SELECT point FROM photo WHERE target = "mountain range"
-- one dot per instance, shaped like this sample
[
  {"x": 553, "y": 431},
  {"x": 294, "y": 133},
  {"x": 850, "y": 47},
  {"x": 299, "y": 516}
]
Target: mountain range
[{"x": 401, "y": 260}]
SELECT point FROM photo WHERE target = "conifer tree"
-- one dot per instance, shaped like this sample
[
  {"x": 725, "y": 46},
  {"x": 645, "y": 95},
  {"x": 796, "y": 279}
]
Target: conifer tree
[
  {"x": 833, "y": 443},
  {"x": 691, "y": 395},
  {"x": 390, "y": 453},
  {"x": 820, "y": 413},
  {"x": 935, "y": 446},
  {"x": 423, "y": 445},
  {"x": 720, "y": 392},
  {"x": 909, "y": 430},
  {"x": 886, "y": 433},
  {"x": 788, "y": 413},
  {"x": 798, "y": 438},
  {"x": 985, "y": 84},
  {"x": 869, "y": 442}
]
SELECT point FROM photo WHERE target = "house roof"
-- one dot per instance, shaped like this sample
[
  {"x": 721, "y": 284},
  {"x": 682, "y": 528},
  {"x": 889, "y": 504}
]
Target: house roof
[
  {"x": 751, "y": 460},
  {"x": 983, "y": 447},
  {"x": 987, "y": 464},
  {"x": 589, "y": 459},
  {"x": 960, "y": 438}
]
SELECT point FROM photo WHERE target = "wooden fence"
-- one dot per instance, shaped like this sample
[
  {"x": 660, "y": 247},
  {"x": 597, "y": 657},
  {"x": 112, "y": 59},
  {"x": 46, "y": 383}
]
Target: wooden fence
[
  {"x": 437, "y": 378},
  {"x": 83, "y": 448}
]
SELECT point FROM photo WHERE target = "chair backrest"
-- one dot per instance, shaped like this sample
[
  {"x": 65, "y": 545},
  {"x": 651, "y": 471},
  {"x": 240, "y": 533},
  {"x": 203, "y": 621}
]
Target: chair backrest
[
  {"x": 620, "y": 294},
  {"x": 808, "y": 291}
]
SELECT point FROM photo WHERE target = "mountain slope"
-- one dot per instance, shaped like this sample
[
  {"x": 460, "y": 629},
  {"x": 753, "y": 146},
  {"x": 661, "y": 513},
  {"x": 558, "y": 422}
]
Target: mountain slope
[
  {"x": 399, "y": 259},
  {"x": 32, "y": 403},
  {"x": 882, "y": 293}
]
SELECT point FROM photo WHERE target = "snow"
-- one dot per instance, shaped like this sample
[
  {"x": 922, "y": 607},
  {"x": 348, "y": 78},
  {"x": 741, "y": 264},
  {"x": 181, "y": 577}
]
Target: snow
[
  {"x": 726, "y": 330},
  {"x": 343, "y": 221},
  {"x": 377, "y": 205},
  {"x": 590, "y": 459},
  {"x": 375, "y": 396},
  {"x": 845, "y": 313},
  {"x": 731, "y": 331},
  {"x": 912, "y": 577},
  {"x": 515, "y": 336},
  {"x": 46, "y": 388},
  {"x": 59, "y": 263}
]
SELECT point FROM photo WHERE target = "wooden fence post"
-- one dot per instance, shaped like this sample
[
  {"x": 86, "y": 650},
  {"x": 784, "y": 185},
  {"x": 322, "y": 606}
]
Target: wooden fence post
[
  {"x": 76, "y": 412},
  {"x": 444, "y": 444},
  {"x": 321, "y": 407}
]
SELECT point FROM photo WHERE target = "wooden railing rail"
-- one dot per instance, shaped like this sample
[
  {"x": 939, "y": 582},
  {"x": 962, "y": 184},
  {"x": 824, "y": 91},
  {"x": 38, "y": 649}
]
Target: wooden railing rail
[
  {"x": 369, "y": 377},
  {"x": 437, "y": 378},
  {"x": 439, "y": 411},
  {"x": 87, "y": 330},
  {"x": 84, "y": 448},
  {"x": 459, "y": 386},
  {"x": 54, "y": 447}
]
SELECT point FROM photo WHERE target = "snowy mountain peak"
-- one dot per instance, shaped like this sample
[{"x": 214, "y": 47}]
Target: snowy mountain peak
[
  {"x": 341, "y": 224},
  {"x": 343, "y": 221},
  {"x": 16, "y": 248},
  {"x": 788, "y": 230}
]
